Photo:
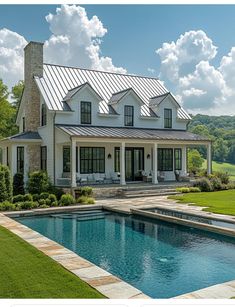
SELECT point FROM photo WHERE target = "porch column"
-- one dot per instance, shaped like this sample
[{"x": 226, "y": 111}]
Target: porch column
[
  {"x": 122, "y": 164},
  {"x": 209, "y": 161},
  {"x": 154, "y": 174},
  {"x": 184, "y": 161},
  {"x": 73, "y": 163}
]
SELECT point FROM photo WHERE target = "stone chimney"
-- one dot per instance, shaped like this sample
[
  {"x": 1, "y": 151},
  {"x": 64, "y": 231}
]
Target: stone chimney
[{"x": 33, "y": 66}]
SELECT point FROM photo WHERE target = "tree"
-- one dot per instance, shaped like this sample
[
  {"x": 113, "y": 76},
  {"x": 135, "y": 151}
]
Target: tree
[
  {"x": 221, "y": 150},
  {"x": 231, "y": 153},
  {"x": 195, "y": 161},
  {"x": 17, "y": 91},
  {"x": 8, "y": 113}
]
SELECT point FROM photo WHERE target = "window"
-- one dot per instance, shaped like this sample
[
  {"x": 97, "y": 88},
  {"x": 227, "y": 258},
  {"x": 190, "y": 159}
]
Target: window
[
  {"x": 20, "y": 159},
  {"x": 23, "y": 124},
  {"x": 43, "y": 115},
  {"x": 117, "y": 159},
  {"x": 7, "y": 156},
  {"x": 167, "y": 118},
  {"x": 66, "y": 159},
  {"x": 129, "y": 116},
  {"x": 43, "y": 158},
  {"x": 92, "y": 160},
  {"x": 165, "y": 159},
  {"x": 178, "y": 159},
  {"x": 85, "y": 112}
]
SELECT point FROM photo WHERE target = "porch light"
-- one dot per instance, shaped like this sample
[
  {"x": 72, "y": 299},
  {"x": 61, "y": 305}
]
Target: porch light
[
  {"x": 148, "y": 156},
  {"x": 109, "y": 156}
]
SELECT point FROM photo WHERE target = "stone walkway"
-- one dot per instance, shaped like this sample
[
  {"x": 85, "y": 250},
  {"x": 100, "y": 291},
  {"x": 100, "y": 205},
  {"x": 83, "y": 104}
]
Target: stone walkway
[{"x": 125, "y": 206}]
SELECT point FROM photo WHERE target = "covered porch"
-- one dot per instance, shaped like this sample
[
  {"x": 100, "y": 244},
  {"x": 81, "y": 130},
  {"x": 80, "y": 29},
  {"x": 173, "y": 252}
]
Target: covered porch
[{"x": 99, "y": 160}]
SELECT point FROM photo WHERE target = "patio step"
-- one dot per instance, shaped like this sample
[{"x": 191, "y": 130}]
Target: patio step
[{"x": 149, "y": 193}]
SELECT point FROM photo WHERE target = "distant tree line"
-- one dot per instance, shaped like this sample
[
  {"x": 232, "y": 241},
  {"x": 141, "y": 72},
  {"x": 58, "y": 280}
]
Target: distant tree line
[{"x": 221, "y": 130}]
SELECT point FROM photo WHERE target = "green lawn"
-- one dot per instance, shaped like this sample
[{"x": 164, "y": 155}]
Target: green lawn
[
  {"x": 25, "y": 272},
  {"x": 223, "y": 167},
  {"x": 218, "y": 202}
]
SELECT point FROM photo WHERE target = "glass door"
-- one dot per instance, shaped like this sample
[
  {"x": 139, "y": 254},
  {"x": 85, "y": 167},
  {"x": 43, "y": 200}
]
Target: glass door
[
  {"x": 129, "y": 164},
  {"x": 138, "y": 166},
  {"x": 134, "y": 162}
]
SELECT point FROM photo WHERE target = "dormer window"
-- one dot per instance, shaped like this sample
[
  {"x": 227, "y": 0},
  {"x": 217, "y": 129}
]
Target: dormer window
[
  {"x": 167, "y": 118},
  {"x": 129, "y": 116},
  {"x": 85, "y": 112},
  {"x": 43, "y": 115}
]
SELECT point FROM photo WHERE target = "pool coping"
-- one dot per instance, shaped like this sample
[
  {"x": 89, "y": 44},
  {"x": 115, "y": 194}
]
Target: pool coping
[
  {"x": 109, "y": 285},
  {"x": 184, "y": 222},
  {"x": 101, "y": 282}
]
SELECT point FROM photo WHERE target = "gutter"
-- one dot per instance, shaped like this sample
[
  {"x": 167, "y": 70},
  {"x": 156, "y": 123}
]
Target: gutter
[{"x": 54, "y": 147}]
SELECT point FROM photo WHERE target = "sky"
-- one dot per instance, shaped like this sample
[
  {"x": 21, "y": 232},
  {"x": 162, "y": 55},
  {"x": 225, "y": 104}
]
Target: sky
[{"x": 190, "y": 48}]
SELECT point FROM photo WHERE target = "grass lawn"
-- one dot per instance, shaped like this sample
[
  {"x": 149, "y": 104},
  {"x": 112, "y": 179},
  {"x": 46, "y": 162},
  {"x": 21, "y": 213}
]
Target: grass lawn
[
  {"x": 25, "y": 272},
  {"x": 222, "y": 167},
  {"x": 222, "y": 202}
]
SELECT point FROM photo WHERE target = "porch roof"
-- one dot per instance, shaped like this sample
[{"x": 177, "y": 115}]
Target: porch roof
[
  {"x": 24, "y": 136},
  {"x": 130, "y": 133}
]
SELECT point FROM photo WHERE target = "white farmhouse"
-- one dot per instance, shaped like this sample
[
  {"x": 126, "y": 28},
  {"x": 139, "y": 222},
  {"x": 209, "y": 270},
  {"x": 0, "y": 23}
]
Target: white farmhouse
[{"x": 87, "y": 126}]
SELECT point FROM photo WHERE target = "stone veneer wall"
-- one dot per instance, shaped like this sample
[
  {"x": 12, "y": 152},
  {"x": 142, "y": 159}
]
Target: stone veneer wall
[
  {"x": 34, "y": 157},
  {"x": 33, "y": 66}
]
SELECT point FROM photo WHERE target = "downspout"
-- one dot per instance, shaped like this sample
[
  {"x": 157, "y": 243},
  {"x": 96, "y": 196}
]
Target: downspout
[{"x": 54, "y": 148}]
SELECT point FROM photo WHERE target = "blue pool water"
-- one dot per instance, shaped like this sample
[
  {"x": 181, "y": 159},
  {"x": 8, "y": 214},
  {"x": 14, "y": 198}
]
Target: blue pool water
[{"x": 161, "y": 259}]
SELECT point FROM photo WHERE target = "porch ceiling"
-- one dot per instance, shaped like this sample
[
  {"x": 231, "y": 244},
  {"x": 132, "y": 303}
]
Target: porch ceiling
[{"x": 130, "y": 133}]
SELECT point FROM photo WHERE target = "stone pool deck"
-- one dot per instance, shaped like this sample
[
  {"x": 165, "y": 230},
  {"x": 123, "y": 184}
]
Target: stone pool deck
[{"x": 107, "y": 284}]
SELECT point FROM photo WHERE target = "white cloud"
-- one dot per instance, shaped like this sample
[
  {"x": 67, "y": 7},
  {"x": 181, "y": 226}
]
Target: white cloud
[
  {"x": 151, "y": 70},
  {"x": 78, "y": 39},
  {"x": 75, "y": 40},
  {"x": 180, "y": 57},
  {"x": 11, "y": 56},
  {"x": 199, "y": 85}
]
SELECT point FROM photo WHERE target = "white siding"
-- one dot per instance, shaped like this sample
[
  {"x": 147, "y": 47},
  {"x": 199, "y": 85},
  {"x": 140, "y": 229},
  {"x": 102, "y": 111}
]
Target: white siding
[{"x": 73, "y": 118}]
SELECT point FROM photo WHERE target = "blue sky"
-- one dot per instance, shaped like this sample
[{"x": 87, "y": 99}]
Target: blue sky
[{"x": 134, "y": 32}]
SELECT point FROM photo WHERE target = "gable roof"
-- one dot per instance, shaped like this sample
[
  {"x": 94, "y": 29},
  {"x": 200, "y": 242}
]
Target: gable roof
[
  {"x": 157, "y": 100},
  {"x": 76, "y": 89},
  {"x": 57, "y": 81},
  {"x": 116, "y": 97}
]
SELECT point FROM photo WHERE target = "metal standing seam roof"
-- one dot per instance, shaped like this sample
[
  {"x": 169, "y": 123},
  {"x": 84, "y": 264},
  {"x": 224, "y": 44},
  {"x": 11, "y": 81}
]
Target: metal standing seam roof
[
  {"x": 29, "y": 135},
  {"x": 57, "y": 81},
  {"x": 129, "y": 133}
]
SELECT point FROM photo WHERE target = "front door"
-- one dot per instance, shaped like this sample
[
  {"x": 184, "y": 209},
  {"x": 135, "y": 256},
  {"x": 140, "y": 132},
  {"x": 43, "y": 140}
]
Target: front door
[{"x": 134, "y": 162}]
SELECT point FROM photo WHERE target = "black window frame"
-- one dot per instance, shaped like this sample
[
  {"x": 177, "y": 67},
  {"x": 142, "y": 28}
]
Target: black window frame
[
  {"x": 90, "y": 160},
  {"x": 67, "y": 164},
  {"x": 165, "y": 159},
  {"x": 44, "y": 158},
  {"x": 178, "y": 159},
  {"x": 86, "y": 114},
  {"x": 117, "y": 159},
  {"x": 128, "y": 116},
  {"x": 23, "y": 124},
  {"x": 43, "y": 115},
  {"x": 168, "y": 118},
  {"x": 20, "y": 159}
]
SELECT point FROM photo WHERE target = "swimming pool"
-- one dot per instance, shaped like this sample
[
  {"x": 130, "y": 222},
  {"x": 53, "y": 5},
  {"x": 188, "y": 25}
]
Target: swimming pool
[{"x": 161, "y": 259}]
